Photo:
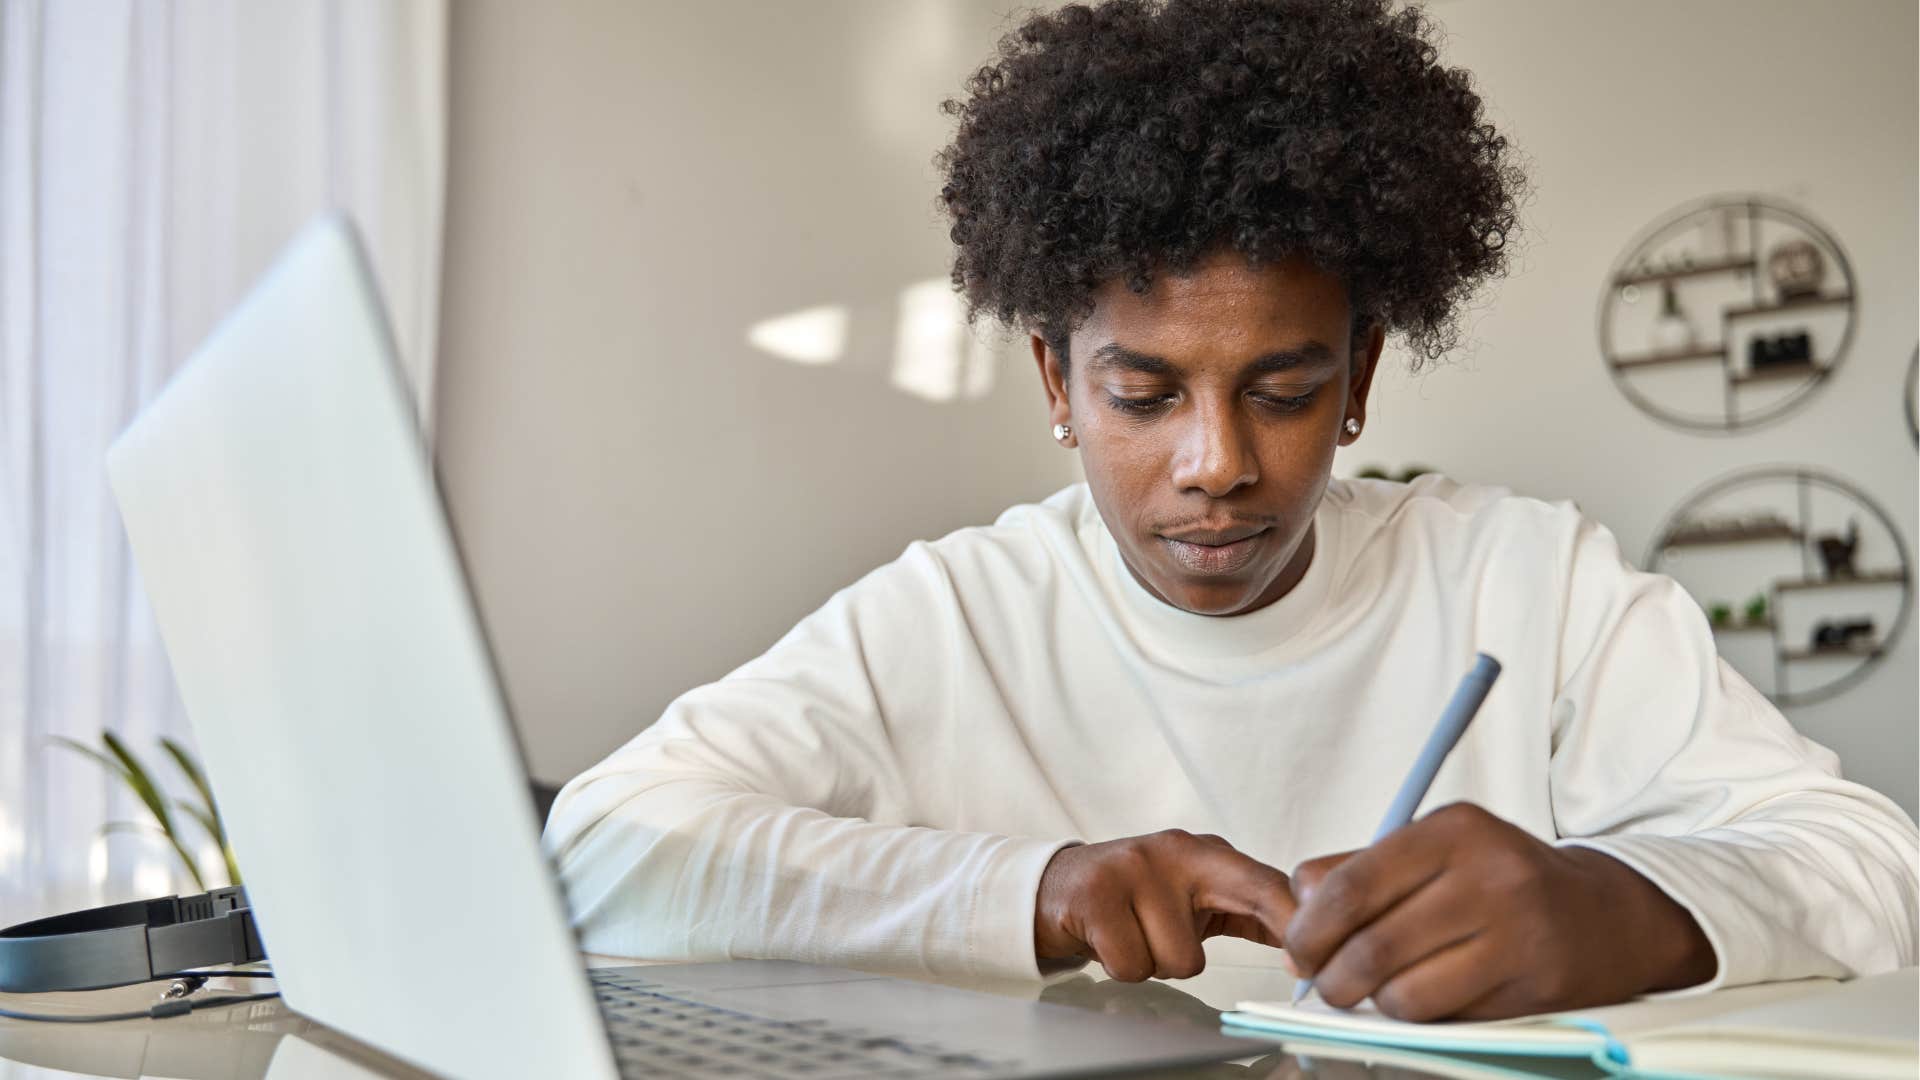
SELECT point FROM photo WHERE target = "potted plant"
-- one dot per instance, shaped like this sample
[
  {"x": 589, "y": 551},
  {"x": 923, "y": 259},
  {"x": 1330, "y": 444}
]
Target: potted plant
[{"x": 114, "y": 756}]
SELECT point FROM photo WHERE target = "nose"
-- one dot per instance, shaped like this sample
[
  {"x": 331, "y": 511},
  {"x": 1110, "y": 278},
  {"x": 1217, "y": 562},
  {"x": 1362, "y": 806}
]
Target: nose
[{"x": 1215, "y": 454}]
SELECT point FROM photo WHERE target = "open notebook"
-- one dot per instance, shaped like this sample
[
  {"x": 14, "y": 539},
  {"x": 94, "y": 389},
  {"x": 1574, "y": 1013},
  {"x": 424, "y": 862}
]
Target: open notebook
[{"x": 1859, "y": 1030}]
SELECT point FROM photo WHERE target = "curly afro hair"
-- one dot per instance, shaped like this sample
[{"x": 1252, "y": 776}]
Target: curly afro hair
[{"x": 1135, "y": 136}]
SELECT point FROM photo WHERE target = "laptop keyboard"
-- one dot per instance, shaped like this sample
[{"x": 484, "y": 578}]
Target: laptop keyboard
[{"x": 655, "y": 1033}]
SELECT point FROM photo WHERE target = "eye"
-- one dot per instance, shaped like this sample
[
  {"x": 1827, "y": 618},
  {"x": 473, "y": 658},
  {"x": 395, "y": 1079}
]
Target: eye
[
  {"x": 1283, "y": 404},
  {"x": 1140, "y": 406}
]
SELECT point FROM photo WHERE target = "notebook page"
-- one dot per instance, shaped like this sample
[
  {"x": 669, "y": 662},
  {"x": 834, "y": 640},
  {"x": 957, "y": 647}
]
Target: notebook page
[
  {"x": 1364, "y": 1023},
  {"x": 1565, "y": 1032},
  {"x": 1451, "y": 1066},
  {"x": 1866, "y": 1027}
]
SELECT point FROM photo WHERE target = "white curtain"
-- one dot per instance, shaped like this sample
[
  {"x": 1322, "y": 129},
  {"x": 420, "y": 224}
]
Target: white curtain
[{"x": 154, "y": 155}]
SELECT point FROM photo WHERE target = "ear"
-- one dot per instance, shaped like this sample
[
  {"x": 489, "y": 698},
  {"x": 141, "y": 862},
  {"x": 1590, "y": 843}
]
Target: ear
[
  {"x": 1366, "y": 361},
  {"x": 1055, "y": 383}
]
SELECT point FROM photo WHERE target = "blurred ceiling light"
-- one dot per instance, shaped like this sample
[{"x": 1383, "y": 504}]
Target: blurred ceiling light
[
  {"x": 935, "y": 355},
  {"x": 815, "y": 335}
]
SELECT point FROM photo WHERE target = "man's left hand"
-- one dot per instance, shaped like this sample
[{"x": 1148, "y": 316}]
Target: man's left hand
[{"x": 1461, "y": 915}]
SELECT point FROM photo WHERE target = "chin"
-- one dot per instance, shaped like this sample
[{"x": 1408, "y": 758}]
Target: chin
[{"x": 1220, "y": 599}]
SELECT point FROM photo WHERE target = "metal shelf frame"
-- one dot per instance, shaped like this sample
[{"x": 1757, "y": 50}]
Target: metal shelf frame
[
  {"x": 1622, "y": 367},
  {"x": 1804, "y": 479}
]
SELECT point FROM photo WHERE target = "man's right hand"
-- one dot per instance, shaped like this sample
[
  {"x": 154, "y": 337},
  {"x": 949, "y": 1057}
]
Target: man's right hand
[{"x": 1142, "y": 905}]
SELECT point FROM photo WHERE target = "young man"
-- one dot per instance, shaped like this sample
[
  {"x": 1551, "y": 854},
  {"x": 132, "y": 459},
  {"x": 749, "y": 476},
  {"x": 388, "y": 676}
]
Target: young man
[{"x": 1212, "y": 660}]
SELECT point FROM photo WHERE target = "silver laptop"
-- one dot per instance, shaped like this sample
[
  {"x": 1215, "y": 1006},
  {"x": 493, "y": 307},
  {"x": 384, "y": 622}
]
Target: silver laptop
[{"x": 283, "y": 513}]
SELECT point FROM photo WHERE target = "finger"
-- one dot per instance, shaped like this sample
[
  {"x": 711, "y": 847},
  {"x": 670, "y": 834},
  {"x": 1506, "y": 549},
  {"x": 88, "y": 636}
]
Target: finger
[
  {"x": 1308, "y": 875},
  {"x": 1240, "y": 926},
  {"x": 1233, "y": 883},
  {"x": 1118, "y": 944},
  {"x": 1439, "y": 915},
  {"x": 1363, "y": 887},
  {"x": 1166, "y": 918},
  {"x": 1445, "y": 982}
]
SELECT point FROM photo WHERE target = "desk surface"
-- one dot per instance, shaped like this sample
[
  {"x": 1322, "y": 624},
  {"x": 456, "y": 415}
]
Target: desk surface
[{"x": 267, "y": 1039}]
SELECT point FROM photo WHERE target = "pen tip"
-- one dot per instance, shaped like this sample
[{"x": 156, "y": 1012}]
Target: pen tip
[{"x": 1301, "y": 990}]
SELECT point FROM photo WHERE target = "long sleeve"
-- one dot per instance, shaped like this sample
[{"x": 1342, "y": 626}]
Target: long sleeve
[
  {"x": 769, "y": 815},
  {"x": 1665, "y": 758}
]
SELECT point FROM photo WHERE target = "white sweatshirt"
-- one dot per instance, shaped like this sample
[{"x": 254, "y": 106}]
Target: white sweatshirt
[{"x": 883, "y": 788}]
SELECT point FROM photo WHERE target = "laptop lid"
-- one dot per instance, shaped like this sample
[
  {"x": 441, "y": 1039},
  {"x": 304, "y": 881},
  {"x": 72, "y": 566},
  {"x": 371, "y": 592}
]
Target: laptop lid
[{"x": 284, "y": 517}]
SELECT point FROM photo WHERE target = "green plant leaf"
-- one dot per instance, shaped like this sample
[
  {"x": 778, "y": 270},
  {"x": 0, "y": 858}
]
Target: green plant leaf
[
  {"x": 192, "y": 771},
  {"x": 210, "y": 821},
  {"x": 199, "y": 813},
  {"x": 141, "y": 782},
  {"x": 146, "y": 827},
  {"x": 105, "y": 762}
]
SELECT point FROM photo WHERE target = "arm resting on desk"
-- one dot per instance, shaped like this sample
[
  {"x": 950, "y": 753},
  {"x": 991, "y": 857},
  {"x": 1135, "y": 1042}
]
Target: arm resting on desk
[
  {"x": 1666, "y": 759},
  {"x": 767, "y": 815}
]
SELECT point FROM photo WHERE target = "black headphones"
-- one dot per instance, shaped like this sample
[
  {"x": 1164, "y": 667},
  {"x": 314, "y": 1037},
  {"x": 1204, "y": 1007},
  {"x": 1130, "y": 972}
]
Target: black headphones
[{"x": 128, "y": 943}]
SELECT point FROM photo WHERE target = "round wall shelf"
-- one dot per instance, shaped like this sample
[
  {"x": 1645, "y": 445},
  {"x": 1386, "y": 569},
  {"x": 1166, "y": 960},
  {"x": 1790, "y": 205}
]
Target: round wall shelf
[
  {"x": 1805, "y": 579},
  {"x": 1912, "y": 397},
  {"x": 1727, "y": 313}
]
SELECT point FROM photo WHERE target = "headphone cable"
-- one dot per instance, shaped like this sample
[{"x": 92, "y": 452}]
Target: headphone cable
[{"x": 177, "y": 1002}]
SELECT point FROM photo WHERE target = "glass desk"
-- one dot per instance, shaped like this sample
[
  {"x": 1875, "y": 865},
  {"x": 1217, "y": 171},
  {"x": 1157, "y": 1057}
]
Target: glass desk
[{"x": 267, "y": 1039}]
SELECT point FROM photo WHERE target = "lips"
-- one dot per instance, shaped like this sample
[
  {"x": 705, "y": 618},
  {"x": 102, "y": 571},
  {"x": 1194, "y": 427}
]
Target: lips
[
  {"x": 1210, "y": 537},
  {"x": 1215, "y": 552}
]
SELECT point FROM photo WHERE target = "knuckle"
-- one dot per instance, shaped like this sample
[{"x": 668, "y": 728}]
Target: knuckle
[
  {"x": 1169, "y": 840},
  {"x": 1128, "y": 860},
  {"x": 1185, "y": 965},
  {"x": 1340, "y": 989},
  {"x": 1309, "y": 874},
  {"x": 1367, "y": 954},
  {"x": 1405, "y": 1003},
  {"x": 1102, "y": 876},
  {"x": 1337, "y": 891}
]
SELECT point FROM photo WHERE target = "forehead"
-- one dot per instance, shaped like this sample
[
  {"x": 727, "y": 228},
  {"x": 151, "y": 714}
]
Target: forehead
[{"x": 1224, "y": 308}]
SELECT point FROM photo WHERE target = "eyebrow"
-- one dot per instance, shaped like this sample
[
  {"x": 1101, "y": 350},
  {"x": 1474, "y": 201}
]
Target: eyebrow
[{"x": 1307, "y": 354}]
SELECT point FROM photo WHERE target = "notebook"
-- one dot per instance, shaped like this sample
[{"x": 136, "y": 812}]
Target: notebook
[
  {"x": 1864, "y": 1029},
  {"x": 1312, "y": 1055}
]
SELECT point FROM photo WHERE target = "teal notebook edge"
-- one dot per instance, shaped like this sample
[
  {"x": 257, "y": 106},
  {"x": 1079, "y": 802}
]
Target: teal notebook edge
[{"x": 1608, "y": 1054}]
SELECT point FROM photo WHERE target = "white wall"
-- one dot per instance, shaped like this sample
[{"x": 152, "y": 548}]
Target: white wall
[
  {"x": 647, "y": 500},
  {"x": 1628, "y": 109}
]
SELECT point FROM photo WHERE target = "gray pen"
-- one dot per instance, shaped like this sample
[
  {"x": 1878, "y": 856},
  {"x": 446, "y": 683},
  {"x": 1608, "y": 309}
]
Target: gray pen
[{"x": 1453, "y": 723}]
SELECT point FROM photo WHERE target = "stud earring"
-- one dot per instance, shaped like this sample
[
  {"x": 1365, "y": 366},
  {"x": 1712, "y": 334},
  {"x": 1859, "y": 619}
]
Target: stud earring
[
  {"x": 1062, "y": 432},
  {"x": 1353, "y": 426}
]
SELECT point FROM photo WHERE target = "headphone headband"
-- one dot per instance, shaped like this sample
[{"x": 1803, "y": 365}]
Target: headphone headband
[{"x": 128, "y": 943}]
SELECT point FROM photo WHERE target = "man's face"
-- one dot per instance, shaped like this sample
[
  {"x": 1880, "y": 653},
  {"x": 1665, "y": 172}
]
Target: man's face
[{"x": 1207, "y": 413}]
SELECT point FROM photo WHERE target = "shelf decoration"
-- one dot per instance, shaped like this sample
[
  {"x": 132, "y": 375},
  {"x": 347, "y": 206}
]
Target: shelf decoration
[
  {"x": 1824, "y": 570},
  {"x": 1755, "y": 310}
]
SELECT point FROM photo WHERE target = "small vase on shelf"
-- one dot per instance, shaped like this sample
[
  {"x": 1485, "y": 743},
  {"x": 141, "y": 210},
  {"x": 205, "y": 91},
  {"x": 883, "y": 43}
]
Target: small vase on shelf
[{"x": 1671, "y": 331}]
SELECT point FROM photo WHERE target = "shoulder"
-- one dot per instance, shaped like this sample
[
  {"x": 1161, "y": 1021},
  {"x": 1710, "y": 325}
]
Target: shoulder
[
  {"x": 1028, "y": 541},
  {"x": 1026, "y": 546},
  {"x": 1441, "y": 506},
  {"x": 1455, "y": 528}
]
